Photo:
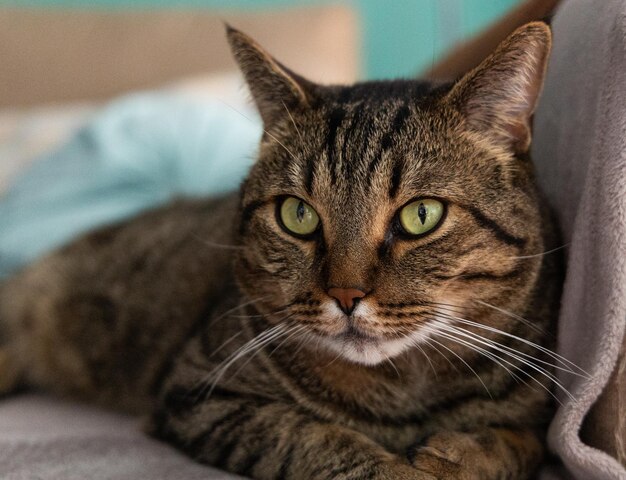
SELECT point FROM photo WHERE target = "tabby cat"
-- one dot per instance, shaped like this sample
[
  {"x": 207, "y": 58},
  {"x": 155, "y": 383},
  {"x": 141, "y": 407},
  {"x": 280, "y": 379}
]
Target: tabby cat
[{"x": 375, "y": 303}]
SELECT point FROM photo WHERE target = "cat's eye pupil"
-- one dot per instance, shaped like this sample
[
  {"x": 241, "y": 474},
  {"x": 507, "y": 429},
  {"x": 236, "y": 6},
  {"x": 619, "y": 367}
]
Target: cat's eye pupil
[
  {"x": 421, "y": 213},
  {"x": 300, "y": 211},
  {"x": 297, "y": 217},
  {"x": 421, "y": 216}
]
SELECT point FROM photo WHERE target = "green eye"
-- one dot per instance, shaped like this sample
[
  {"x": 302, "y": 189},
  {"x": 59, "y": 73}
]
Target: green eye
[
  {"x": 421, "y": 216},
  {"x": 298, "y": 217}
]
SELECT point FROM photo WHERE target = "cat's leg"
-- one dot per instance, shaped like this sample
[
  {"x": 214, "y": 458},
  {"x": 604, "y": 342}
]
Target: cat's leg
[
  {"x": 269, "y": 440},
  {"x": 489, "y": 453},
  {"x": 100, "y": 318}
]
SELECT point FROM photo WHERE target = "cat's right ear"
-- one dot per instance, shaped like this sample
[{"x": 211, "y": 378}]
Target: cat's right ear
[
  {"x": 276, "y": 90},
  {"x": 499, "y": 96}
]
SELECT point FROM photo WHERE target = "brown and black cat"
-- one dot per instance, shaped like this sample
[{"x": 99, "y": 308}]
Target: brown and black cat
[{"x": 374, "y": 304}]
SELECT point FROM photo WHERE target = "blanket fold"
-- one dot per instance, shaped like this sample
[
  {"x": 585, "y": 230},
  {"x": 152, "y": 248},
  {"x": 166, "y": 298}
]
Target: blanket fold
[{"x": 580, "y": 152}]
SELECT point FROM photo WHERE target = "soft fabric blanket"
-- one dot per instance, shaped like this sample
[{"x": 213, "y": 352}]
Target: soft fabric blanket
[
  {"x": 46, "y": 439},
  {"x": 580, "y": 151},
  {"x": 136, "y": 153}
]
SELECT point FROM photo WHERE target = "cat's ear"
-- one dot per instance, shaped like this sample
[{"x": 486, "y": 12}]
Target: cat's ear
[
  {"x": 275, "y": 89},
  {"x": 499, "y": 96}
]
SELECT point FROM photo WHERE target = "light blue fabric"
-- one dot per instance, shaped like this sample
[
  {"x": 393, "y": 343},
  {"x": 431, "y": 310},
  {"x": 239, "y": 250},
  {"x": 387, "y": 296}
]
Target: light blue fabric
[{"x": 135, "y": 154}]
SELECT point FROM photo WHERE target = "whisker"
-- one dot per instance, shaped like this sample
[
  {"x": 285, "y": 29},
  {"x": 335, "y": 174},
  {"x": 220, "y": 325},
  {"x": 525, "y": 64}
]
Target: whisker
[
  {"x": 419, "y": 347},
  {"x": 427, "y": 341},
  {"x": 498, "y": 360},
  {"x": 515, "y": 316},
  {"x": 254, "y": 345},
  {"x": 263, "y": 315},
  {"x": 516, "y": 354},
  {"x": 295, "y": 331},
  {"x": 388, "y": 360},
  {"x": 494, "y": 358},
  {"x": 459, "y": 310},
  {"x": 218, "y": 349},
  {"x": 243, "y": 317},
  {"x": 211, "y": 244},
  {"x": 245, "y": 347},
  {"x": 293, "y": 122},
  {"x": 524, "y": 354},
  {"x": 266, "y": 132},
  {"x": 289, "y": 333},
  {"x": 555, "y": 356},
  {"x": 234, "y": 309},
  {"x": 474, "y": 348},
  {"x": 466, "y": 334},
  {"x": 319, "y": 341},
  {"x": 307, "y": 336},
  {"x": 341, "y": 352},
  {"x": 466, "y": 364},
  {"x": 522, "y": 257}
]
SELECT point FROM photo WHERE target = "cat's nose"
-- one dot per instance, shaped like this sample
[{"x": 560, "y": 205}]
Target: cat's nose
[{"x": 346, "y": 297}]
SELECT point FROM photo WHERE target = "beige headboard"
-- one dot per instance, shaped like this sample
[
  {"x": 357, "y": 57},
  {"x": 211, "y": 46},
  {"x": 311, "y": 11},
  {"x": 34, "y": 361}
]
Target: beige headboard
[{"x": 49, "y": 56}]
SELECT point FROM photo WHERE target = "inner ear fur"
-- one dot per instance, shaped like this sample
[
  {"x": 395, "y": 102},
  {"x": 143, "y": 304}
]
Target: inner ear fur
[
  {"x": 274, "y": 87},
  {"x": 499, "y": 96}
]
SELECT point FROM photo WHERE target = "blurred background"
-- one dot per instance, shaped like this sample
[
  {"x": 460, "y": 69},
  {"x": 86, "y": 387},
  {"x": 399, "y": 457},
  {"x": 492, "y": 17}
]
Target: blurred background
[{"x": 395, "y": 37}]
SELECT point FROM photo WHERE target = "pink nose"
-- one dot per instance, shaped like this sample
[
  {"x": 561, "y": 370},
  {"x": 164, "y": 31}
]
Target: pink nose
[{"x": 346, "y": 297}]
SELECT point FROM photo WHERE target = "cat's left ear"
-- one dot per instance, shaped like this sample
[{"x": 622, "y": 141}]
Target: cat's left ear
[
  {"x": 276, "y": 90},
  {"x": 499, "y": 96}
]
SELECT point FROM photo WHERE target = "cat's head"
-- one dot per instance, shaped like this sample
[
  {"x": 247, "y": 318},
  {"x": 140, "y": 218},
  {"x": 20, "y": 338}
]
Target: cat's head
[{"x": 378, "y": 211}]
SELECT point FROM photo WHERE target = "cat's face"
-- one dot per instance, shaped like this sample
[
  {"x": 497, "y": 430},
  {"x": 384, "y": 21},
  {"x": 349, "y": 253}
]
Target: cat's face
[{"x": 376, "y": 212}]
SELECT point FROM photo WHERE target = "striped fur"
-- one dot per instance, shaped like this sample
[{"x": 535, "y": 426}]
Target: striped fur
[{"x": 213, "y": 321}]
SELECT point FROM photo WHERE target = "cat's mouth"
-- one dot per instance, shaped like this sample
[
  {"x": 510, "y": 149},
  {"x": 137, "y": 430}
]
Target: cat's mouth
[
  {"x": 355, "y": 337},
  {"x": 353, "y": 334},
  {"x": 358, "y": 346}
]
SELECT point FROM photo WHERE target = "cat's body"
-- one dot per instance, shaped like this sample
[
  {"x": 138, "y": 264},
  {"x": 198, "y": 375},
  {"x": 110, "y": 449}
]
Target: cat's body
[{"x": 158, "y": 315}]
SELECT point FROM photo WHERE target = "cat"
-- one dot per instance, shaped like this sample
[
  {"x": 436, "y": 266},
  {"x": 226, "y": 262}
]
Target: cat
[{"x": 375, "y": 302}]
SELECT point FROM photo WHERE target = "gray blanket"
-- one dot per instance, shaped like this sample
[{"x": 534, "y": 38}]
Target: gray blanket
[
  {"x": 48, "y": 439},
  {"x": 580, "y": 151}
]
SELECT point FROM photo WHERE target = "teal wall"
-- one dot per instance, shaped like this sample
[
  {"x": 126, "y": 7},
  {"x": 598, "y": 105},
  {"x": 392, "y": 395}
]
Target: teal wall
[{"x": 400, "y": 36}]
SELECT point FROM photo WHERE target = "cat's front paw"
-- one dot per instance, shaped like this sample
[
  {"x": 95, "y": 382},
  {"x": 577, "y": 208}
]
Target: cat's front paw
[
  {"x": 483, "y": 454},
  {"x": 448, "y": 456},
  {"x": 399, "y": 471}
]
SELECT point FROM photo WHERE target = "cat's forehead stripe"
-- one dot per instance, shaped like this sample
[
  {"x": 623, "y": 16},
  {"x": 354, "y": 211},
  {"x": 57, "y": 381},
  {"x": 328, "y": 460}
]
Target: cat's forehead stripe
[
  {"x": 359, "y": 133},
  {"x": 400, "y": 117},
  {"x": 309, "y": 172},
  {"x": 353, "y": 137},
  {"x": 350, "y": 133},
  {"x": 334, "y": 122},
  {"x": 396, "y": 177}
]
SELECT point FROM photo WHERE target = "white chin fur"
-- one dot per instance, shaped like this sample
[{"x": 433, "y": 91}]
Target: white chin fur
[{"x": 372, "y": 352}]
